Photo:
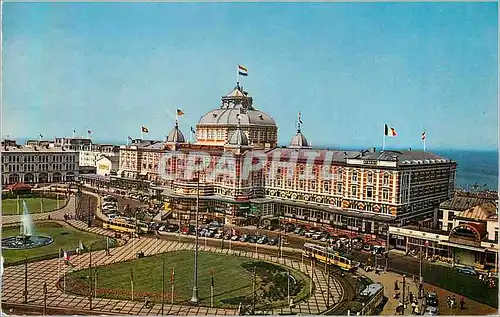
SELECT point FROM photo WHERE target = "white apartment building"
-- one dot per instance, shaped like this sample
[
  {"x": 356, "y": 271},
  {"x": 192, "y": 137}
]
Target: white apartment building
[{"x": 37, "y": 164}]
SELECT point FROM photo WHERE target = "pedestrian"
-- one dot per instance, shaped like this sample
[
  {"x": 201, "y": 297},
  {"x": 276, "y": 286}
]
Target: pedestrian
[
  {"x": 413, "y": 305},
  {"x": 462, "y": 303},
  {"x": 411, "y": 297},
  {"x": 448, "y": 301},
  {"x": 417, "y": 311}
]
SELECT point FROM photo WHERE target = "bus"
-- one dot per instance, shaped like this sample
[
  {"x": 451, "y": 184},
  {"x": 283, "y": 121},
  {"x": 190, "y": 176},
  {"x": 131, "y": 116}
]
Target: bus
[
  {"x": 124, "y": 225},
  {"x": 330, "y": 256}
]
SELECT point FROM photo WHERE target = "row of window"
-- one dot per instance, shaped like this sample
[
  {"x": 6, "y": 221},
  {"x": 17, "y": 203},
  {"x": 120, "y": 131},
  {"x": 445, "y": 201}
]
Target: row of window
[{"x": 38, "y": 158}]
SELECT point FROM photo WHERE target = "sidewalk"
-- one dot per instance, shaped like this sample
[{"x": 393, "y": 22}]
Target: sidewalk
[{"x": 387, "y": 279}]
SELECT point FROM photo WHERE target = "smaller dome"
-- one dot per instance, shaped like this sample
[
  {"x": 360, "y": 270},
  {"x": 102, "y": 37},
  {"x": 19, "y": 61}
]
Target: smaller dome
[
  {"x": 238, "y": 138},
  {"x": 176, "y": 136},
  {"x": 299, "y": 141}
]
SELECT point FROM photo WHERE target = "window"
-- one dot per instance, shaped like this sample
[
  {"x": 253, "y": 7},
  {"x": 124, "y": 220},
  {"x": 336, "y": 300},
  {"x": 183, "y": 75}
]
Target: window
[
  {"x": 313, "y": 185},
  {"x": 301, "y": 184},
  {"x": 339, "y": 174},
  {"x": 369, "y": 178},
  {"x": 386, "y": 180},
  {"x": 355, "y": 176},
  {"x": 326, "y": 187},
  {"x": 339, "y": 188},
  {"x": 354, "y": 191},
  {"x": 369, "y": 192},
  {"x": 385, "y": 195}
]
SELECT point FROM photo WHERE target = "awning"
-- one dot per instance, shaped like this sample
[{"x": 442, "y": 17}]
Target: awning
[{"x": 462, "y": 246}]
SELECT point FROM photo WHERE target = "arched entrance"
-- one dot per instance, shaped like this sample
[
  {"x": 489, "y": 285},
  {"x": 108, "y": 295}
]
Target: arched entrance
[
  {"x": 29, "y": 178},
  {"x": 13, "y": 178},
  {"x": 43, "y": 178},
  {"x": 56, "y": 177}
]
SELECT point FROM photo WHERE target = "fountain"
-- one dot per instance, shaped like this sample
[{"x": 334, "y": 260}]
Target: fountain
[{"x": 26, "y": 238}]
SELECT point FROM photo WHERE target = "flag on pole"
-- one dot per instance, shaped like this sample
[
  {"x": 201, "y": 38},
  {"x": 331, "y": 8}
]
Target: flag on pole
[
  {"x": 389, "y": 131},
  {"x": 193, "y": 130},
  {"x": 212, "y": 281},
  {"x": 180, "y": 112},
  {"x": 423, "y": 136},
  {"x": 41, "y": 136},
  {"x": 172, "y": 275},
  {"x": 300, "y": 120},
  {"x": 242, "y": 70},
  {"x": 81, "y": 246},
  {"x": 144, "y": 129},
  {"x": 89, "y": 131},
  {"x": 66, "y": 256}
]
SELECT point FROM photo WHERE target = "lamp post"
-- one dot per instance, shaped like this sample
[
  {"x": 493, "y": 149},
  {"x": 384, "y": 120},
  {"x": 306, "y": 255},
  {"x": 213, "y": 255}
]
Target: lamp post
[{"x": 195, "y": 299}]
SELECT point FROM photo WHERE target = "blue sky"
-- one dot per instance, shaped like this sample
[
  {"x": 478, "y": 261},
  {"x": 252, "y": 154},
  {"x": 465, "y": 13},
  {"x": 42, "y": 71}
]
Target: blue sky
[{"x": 348, "y": 68}]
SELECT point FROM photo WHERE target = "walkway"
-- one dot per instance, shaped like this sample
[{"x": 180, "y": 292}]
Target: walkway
[
  {"x": 388, "y": 278},
  {"x": 47, "y": 271}
]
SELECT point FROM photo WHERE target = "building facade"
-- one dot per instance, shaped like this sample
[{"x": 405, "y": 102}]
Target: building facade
[
  {"x": 467, "y": 233},
  {"x": 37, "y": 164}
]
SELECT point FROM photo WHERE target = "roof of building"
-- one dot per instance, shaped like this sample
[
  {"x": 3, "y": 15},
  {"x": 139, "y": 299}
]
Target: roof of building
[
  {"x": 461, "y": 203},
  {"x": 176, "y": 136},
  {"x": 35, "y": 149},
  {"x": 236, "y": 103},
  {"x": 238, "y": 138},
  {"x": 321, "y": 156},
  {"x": 483, "y": 211},
  {"x": 18, "y": 186},
  {"x": 299, "y": 141},
  {"x": 111, "y": 158}
]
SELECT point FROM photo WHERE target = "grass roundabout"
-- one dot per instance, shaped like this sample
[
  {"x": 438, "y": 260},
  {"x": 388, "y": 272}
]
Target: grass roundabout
[
  {"x": 65, "y": 237},
  {"x": 232, "y": 276},
  {"x": 34, "y": 205}
]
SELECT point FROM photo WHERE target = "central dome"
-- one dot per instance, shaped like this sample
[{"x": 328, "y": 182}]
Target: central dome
[{"x": 217, "y": 126}]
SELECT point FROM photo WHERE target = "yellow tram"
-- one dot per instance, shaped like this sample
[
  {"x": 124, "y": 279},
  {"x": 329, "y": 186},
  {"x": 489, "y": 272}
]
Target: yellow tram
[
  {"x": 330, "y": 256},
  {"x": 123, "y": 225}
]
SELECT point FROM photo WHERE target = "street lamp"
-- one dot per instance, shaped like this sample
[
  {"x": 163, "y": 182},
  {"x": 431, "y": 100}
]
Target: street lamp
[{"x": 195, "y": 299}]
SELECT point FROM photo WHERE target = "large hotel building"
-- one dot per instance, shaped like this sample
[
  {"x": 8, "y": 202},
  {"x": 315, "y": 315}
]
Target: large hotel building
[{"x": 363, "y": 191}]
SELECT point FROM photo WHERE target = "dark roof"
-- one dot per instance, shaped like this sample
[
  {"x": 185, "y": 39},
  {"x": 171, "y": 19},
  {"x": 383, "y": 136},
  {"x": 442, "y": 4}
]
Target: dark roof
[
  {"x": 461, "y": 203},
  {"x": 18, "y": 186},
  {"x": 112, "y": 158}
]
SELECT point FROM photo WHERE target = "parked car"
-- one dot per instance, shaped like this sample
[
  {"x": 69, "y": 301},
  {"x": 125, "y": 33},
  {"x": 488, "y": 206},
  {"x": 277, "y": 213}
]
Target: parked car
[
  {"x": 262, "y": 240},
  {"x": 367, "y": 247},
  {"x": 273, "y": 241},
  {"x": 244, "y": 238},
  {"x": 289, "y": 227},
  {"x": 431, "y": 299},
  {"x": 467, "y": 270},
  {"x": 431, "y": 311},
  {"x": 234, "y": 238},
  {"x": 297, "y": 230},
  {"x": 309, "y": 234},
  {"x": 316, "y": 236},
  {"x": 218, "y": 235}
]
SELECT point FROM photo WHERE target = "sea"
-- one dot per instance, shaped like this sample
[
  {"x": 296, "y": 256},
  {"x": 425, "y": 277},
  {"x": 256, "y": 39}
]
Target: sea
[
  {"x": 478, "y": 168},
  {"x": 474, "y": 167}
]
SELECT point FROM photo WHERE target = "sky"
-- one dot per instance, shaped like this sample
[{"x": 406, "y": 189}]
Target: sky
[{"x": 348, "y": 68}]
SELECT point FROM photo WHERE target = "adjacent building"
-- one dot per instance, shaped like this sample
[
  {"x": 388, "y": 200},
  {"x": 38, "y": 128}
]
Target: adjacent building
[
  {"x": 107, "y": 165},
  {"x": 466, "y": 232},
  {"x": 37, "y": 163}
]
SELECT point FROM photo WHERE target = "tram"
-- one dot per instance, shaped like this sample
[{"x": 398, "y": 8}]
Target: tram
[{"x": 330, "y": 256}]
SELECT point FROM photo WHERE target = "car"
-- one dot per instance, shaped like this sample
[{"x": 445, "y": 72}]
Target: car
[
  {"x": 262, "y": 240},
  {"x": 316, "y": 236},
  {"x": 272, "y": 241},
  {"x": 289, "y": 228},
  {"x": 309, "y": 234},
  {"x": 367, "y": 247},
  {"x": 377, "y": 249},
  {"x": 431, "y": 311},
  {"x": 431, "y": 299},
  {"x": 467, "y": 270},
  {"x": 218, "y": 236},
  {"x": 297, "y": 230},
  {"x": 235, "y": 238},
  {"x": 244, "y": 238}
]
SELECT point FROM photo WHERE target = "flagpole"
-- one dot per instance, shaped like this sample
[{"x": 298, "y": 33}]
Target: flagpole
[
  {"x": 173, "y": 281},
  {"x": 237, "y": 76},
  {"x": 142, "y": 134},
  {"x": 383, "y": 140},
  {"x": 425, "y": 139}
]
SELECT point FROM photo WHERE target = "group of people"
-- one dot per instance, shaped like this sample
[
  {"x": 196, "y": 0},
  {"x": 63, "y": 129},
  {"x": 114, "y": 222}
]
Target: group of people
[
  {"x": 452, "y": 302},
  {"x": 488, "y": 279}
]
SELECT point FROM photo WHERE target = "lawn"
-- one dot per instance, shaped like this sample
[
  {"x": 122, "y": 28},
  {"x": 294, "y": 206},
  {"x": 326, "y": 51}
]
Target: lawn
[
  {"x": 232, "y": 278},
  {"x": 64, "y": 236},
  {"x": 34, "y": 205},
  {"x": 466, "y": 285}
]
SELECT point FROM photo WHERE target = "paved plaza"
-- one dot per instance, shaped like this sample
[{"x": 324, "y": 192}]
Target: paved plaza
[{"x": 47, "y": 271}]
